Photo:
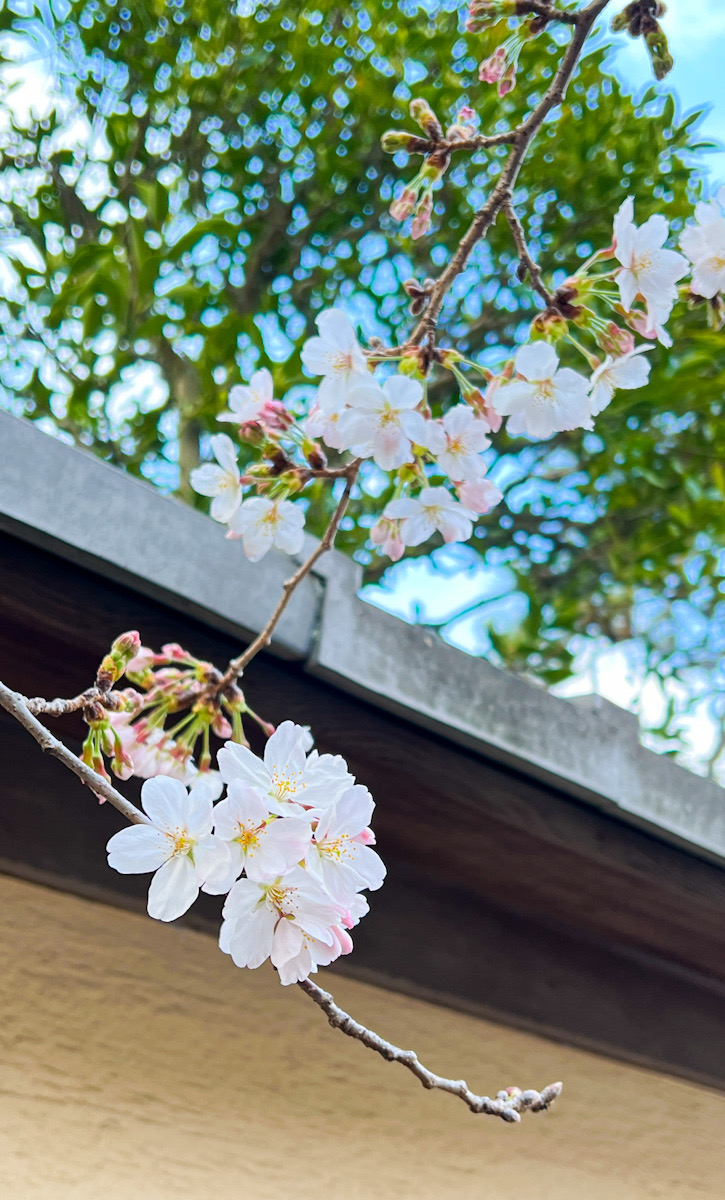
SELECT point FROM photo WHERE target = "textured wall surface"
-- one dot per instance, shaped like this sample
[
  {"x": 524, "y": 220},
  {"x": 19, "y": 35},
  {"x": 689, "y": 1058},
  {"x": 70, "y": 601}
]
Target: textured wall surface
[{"x": 137, "y": 1063}]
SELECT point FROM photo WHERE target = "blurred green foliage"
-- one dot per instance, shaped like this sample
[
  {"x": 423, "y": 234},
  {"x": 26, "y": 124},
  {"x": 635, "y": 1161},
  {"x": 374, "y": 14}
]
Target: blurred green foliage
[{"x": 209, "y": 178}]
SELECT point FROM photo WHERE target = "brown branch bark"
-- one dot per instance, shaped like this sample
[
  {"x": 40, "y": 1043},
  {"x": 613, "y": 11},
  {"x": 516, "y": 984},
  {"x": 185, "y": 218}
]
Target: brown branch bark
[
  {"x": 525, "y": 258},
  {"x": 521, "y": 139},
  {"x": 237, "y": 665},
  {"x": 508, "y": 1104},
  {"x": 59, "y": 708}
]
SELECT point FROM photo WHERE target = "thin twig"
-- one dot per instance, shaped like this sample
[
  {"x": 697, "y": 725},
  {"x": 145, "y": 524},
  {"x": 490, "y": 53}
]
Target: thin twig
[
  {"x": 477, "y": 141},
  {"x": 17, "y": 706},
  {"x": 58, "y": 708},
  {"x": 541, "y": 8},
  {"x": 521, "y": 139},
  {"x": 508, "y": 1104},
  {"x": 522, "y": 249},
  {"x": 237, "y": 665}
]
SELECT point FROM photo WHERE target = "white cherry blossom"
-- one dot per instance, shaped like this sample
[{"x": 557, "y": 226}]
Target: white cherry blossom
[
  {"x": 382, "y": 423},
  {"x": 628, "y": 371},
  {"x": 288, "y": 780},
  {"x": 433, "y": 509},
  {"x": 177, "y": 845},
  {"x": 222, "y": 481},
  {"x": 465, "y": 438},
  {"x": 312, "y": 952},
  {"x": 648, "y": 269},
  {"x": 262, "y": 523},
  {"x": 259, "y": 843},
  {"x": 289, "y": 919},
  {"x": 246, "y": 401},
  {"x": 337, "y": 356},
  {"x": 704, "y": 245},
  {"x": 546, "y": 398},
  {"x": 325, "y": 423},
  {"x": 340, "y": 856}
]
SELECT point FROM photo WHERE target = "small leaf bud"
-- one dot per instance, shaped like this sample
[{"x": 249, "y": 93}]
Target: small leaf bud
[{"x": 423, "y": 115}]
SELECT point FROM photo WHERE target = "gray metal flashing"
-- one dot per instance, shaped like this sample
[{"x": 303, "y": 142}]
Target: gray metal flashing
[{"x": 67, "y": 500}]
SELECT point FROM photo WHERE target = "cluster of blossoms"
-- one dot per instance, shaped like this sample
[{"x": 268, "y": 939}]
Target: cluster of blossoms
[
  {"x": 437, "y": 464},
  {"x": 289, "y": 845},
  {"x": 163, "y": 724}
]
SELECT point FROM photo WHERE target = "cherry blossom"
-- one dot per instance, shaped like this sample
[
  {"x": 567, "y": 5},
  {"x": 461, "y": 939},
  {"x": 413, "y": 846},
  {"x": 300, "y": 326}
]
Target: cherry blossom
[
  {"x": 382, "y": 422},
  {"x": 288, "y": 919},
  {"x": 262, "y": 523},
  {"x": 546, "y": 397},
  {"x": 247, "y": 401},
  {"x": 222, "y": 481},
  {"x": 260, "y": 844},
  {"x": 288, "y": 779},
  {"x": 433, "y": 509},
  {"x": 150, "y": 750},
  {"x": 325, "y": 423},
  {"x": 648, "y": 270},
  {"x": 337, "y": 356},
  {"x": 704, "y": 245},
  {"x": 340, "y": 856},
  {"x": 628, "y": 371},
  {"x": 177, "y": 845},
  {"x": 312, "y": 953},
  {"x": 465, "y": 437}
]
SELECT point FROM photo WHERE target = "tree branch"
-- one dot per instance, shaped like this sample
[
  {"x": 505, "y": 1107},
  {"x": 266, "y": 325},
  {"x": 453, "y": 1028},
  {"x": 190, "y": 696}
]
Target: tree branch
[
  {"x": 522, "y": 249},
  {"x": 508, "y": 1104},
  {"x": 17, "y": 706},
  {"x": 237, "y": 665},
  {"x": 549, "y": 12},
  {"x": 521, "y": 139},
  {"x": 58, "y": 708}
]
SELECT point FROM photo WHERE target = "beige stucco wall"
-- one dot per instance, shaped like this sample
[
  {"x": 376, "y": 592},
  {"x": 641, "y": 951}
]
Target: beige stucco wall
[{"x": 137, "y": 1063}]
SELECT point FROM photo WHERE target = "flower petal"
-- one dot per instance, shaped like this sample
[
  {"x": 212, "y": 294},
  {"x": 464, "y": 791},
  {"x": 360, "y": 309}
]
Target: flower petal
[
  {"x": 173, "y": 889},
  {"x": 137, "y": 849},
  {"x": 164, "y": 800}
]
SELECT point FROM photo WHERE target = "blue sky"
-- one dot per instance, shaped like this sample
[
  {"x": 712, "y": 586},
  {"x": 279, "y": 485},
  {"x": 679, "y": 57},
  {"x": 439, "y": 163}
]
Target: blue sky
[{"x": 696, "y": 33}]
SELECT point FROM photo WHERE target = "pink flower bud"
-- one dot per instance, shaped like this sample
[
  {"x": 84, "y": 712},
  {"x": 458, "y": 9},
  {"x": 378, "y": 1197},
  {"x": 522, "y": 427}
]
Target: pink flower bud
[
  {"x": 421, "y": 220},
  {"x": 386, "y": 534},
  {"x": 492, "y": 69},
  {"x": 642, "y": 323},
  {"x": 401, "y": 208},
  {"x": 274, "y": 415},
  {"x": 221, "y": 727},
  {"x": 507, "y": 83},
  {"x": 174, "y": 650},
  {"x": 127, "y": 644},
  {"x": 614, "y": 340},
  {"x": 480, "y": 495}
]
